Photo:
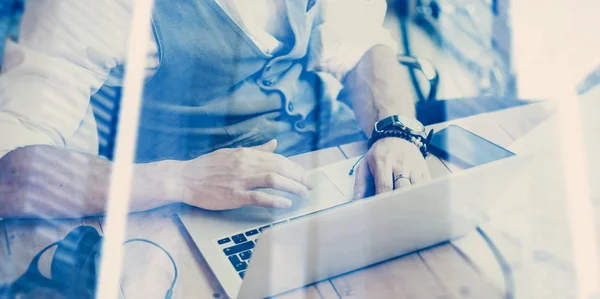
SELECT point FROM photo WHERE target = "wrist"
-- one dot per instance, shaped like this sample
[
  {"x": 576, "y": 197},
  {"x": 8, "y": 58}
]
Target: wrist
[
  {"x": 404, "y": 127},
  {"x": 157, "y": 184}
]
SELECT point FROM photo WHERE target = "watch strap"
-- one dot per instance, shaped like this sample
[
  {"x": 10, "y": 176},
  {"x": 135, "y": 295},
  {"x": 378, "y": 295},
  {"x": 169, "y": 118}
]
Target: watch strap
[{"x": 404, "y": 135}]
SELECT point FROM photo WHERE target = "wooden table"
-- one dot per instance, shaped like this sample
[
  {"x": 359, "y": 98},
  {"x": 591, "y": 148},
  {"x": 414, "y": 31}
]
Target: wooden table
[{"x": 446, "y": 271}]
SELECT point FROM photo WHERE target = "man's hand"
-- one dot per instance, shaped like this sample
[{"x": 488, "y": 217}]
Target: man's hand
[
  {"x": 379, "y": 87},
  {"x": 387, "y": 159},
  {"x": 226, "y": 178}
]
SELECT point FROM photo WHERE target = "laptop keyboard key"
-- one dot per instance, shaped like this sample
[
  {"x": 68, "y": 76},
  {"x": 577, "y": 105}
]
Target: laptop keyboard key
[
  {"x": 223, "y": 241},
  {"x": 237, "y": 239},
  {"x": 234, "y": 259},
  {"x": 242, "y": 274},
  {"x": 251, "y": 233},
  {"x": 241, "y": 266},
  {"x": 238, "y": 248},
  {"x": 246, "y": 255},
  {"x": 263, "y": 228}
]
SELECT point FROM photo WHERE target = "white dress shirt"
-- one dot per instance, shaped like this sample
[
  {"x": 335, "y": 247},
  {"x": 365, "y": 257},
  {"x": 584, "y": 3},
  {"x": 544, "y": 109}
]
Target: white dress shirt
[{"x": 68, "y": 49}]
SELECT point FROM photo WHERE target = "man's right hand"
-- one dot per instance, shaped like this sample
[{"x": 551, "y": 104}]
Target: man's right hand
[{"x": 227, "y": 178}]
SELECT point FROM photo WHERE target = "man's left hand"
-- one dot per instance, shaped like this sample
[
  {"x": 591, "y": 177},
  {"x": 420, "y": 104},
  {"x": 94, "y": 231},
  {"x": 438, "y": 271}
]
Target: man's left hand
[{"x": 393, "y": 163}]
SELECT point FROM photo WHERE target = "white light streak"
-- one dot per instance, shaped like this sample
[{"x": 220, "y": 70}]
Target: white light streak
[{"x": 120, "y": 183}]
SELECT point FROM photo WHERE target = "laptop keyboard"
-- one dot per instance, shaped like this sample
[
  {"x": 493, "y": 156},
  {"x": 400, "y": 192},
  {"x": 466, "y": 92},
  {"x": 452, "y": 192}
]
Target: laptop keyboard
[{"x": 239, "y": 247}]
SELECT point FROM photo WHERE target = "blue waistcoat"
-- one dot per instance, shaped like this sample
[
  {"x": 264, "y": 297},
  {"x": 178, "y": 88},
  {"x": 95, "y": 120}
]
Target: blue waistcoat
[{"x": 215, "y": 88}]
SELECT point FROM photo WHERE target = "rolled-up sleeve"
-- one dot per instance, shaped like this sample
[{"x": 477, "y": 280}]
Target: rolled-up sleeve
[
  {"x": 344, "y": 31},
  {"x": 65, "y": 52}
]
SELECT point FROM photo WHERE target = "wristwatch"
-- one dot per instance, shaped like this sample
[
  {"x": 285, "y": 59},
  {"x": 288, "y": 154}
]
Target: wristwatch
[{"x": 404, "y": 127}]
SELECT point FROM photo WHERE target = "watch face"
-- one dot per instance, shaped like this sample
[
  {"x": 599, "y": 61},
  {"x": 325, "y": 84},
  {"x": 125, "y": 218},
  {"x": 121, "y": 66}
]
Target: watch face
[{"x": 412, "y": 124}]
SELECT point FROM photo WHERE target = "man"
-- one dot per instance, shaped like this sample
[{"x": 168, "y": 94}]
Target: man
[{"x": 232, "y": 86}]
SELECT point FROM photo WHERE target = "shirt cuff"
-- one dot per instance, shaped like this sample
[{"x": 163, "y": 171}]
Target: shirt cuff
[{"x": 338, "y": 50}]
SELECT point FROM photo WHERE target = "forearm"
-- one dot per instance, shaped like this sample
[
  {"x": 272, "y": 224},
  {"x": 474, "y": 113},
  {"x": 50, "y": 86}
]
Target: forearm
[
  {"x": 377, "y": 88},
  {"x": 50, "y": 182}
]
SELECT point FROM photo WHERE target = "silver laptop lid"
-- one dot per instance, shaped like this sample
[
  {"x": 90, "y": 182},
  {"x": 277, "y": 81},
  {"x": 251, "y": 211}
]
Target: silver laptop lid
[{"x": 368, "y": 231}]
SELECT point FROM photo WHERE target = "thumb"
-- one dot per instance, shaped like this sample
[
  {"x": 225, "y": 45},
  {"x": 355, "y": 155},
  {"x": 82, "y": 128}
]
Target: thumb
[{"x": 269, "y": 147}]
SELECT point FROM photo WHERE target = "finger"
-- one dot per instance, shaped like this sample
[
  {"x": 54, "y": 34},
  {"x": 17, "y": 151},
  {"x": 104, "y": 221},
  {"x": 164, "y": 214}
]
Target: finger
[
  {"x": 262, "y": 199},
  {"x": 278, "y": 182},
  {"x": 268, "y": 147},
  {"x": 361, "y": 179},
  {"x": 263, "y": 160},
  {"x": 420, "y": 175},
  {"x": 416, "y": 177},
  {"x": 426, "y": 174},
  {"x": 285, "y": 167},
  {"x": 382, "y": 174},
  {"x": 402, "y": 182}
]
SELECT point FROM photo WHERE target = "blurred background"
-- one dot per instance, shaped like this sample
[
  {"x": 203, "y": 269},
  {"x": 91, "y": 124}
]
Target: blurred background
[
  {"x": 469, "y": 42},
  {"x": 10, "y": 16},
  {"x": 533, "y": 49}
]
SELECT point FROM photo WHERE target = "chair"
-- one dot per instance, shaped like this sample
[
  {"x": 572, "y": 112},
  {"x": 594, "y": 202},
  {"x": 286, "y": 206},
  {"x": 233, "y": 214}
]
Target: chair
[{"x": 105, "y": 103}]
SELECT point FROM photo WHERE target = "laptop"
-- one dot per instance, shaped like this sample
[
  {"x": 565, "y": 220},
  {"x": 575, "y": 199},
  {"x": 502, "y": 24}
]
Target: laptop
[{"x": 258, "y": 252}]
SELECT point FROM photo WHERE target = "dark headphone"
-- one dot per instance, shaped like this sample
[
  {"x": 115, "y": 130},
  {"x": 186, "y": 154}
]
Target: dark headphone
[{"x": 74, "y": 268}]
